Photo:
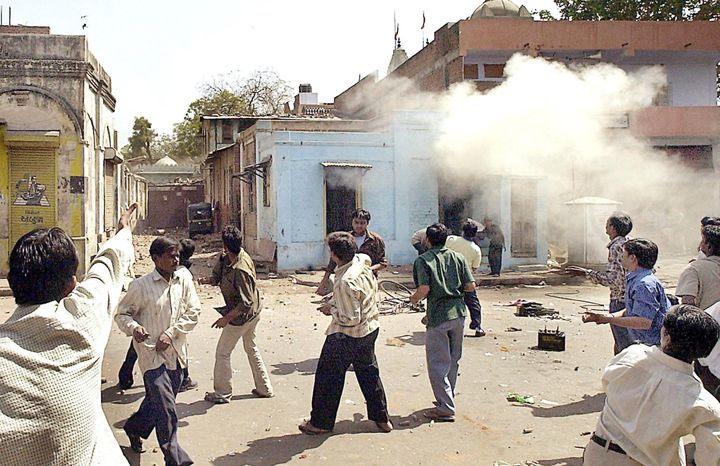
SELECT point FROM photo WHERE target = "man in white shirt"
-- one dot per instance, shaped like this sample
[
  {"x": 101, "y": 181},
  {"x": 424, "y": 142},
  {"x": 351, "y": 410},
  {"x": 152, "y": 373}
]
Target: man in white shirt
[
  {"x": 350, "y": 339},
  {"x": 654, "y": 399},
  {"x": 706, "y": 221},
  {"x": 699, "y": 283},
  {"x": 51, "y": 350},
  {"x": 465, "y": 245},
  {"x": 158, "y": 311},
  {"x": 708, "y": 368},
  {"x": 418, "y": 240}
]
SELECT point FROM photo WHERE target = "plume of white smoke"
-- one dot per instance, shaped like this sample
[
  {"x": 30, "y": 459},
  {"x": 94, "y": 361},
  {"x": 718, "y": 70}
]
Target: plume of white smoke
[{"x": 552, "y": 121}]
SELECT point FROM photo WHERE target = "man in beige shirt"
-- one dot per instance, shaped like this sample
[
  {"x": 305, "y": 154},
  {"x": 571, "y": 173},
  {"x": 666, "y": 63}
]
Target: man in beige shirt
[
  {"x": 51, "y": 351},
  {"x": 158, "y": 311},
  {"x": 465, "y": 245},
  {"x": 699, "y": 283},
  {"x": 654, "y": 399},
  {"x": 350, "y": 339}
]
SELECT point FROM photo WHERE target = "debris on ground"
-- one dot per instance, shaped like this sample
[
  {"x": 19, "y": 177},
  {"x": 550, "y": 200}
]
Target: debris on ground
[
  {"x": 534, "y": 309},
  {"x": 522, "y": 399},
  {"x": 395, "y": 342},
  {"x": 513, "y": 329}
]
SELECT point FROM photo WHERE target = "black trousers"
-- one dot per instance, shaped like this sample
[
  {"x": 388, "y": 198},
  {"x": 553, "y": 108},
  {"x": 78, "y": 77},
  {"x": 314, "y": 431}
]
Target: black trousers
[
  {"x": 157, "y": 411},
  {"x": 495, "y": 259},
  {"x": 125, "y": 374},
  {"x": 473, "y": 304},
  {"x": 338, "y": 352}
]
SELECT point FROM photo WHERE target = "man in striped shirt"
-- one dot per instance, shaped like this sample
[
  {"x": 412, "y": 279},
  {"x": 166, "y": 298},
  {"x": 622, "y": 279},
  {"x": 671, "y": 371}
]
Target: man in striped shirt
[
  {"x": 158, "y": 311},
  {"x": 350, "y": 340}
]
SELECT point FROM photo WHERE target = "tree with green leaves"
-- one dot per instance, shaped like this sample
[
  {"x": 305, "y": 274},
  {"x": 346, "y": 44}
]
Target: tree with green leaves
[
  {"x": 261, "y": 92},
  {"x": 141, "y": 141},
  {"x": 637, "y": 10}
]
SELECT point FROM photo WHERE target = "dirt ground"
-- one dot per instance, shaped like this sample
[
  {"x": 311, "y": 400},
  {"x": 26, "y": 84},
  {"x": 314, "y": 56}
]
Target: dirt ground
[{"x": 489, "y": 430}]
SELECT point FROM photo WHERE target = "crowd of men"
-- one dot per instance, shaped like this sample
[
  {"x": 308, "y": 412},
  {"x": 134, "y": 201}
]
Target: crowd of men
[{"x": 50, "y": 381}]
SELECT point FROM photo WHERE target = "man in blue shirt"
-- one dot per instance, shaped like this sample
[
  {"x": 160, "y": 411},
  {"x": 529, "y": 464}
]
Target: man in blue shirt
[{"x": 645, "y": 300}]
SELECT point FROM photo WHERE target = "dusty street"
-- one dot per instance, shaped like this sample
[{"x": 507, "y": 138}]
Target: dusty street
[{"x": 565, "y": 386}]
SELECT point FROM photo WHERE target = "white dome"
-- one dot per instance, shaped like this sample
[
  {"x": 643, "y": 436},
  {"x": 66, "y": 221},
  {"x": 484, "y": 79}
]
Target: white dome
[
  {"x": 500, "y": 9},
  {"x": 166, "y": 162}
]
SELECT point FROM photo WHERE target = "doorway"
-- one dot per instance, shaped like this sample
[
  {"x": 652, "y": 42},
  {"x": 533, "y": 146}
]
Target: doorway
[{"x": 523, "y": 215}]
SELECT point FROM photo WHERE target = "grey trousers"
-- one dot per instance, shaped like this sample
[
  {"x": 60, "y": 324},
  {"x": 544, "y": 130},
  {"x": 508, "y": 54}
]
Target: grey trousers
[{"x": 443, "y": 350}]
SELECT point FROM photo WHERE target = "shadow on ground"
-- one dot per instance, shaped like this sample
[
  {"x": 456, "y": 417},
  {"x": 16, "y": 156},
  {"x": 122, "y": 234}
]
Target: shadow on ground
[
  {"x": 574, "y": 461},
  {"x": 417, "y": 338},
  {"x": 306, "y": 367},
  {"x": 114, "y": 395},
  {"x": 589, "y": 404},
  {"x": 281, "y": 449}
]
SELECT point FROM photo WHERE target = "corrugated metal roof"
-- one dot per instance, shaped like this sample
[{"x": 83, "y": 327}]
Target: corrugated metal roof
[{"x": 346, "y": 165}]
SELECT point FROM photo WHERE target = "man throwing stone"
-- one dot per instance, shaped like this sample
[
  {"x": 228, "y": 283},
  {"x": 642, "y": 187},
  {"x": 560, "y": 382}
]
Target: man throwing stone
[
  {"x": 350, "y": 340},
  {"x": 51, "y": 350}
]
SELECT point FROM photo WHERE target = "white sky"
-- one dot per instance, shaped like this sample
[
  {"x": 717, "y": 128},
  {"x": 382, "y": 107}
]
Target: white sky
[{"x": 159, "y": 51}]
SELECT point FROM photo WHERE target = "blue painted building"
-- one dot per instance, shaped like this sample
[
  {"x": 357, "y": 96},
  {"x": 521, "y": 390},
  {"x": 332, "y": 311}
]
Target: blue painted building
[{"x": 297, "y": 179}]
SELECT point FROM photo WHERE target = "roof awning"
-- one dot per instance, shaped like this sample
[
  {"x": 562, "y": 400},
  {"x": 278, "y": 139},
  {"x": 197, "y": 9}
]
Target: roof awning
[
  {"x": 362, "y": 166},
  {"x": 258, "y": 169}
]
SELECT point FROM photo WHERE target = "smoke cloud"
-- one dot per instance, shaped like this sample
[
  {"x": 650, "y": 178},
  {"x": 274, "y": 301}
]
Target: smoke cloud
[{"x": 553, "y": 122}]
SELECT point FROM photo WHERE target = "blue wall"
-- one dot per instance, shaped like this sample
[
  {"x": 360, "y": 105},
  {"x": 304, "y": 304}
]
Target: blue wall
[{"x": 400, "y": 190}]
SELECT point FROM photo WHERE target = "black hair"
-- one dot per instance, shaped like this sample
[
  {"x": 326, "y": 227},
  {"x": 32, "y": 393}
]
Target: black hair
[
  {"x": 42, "y": 265},
  {"x": 693, "y": 332},
  {"x": 705, "y": 221},
  {"x": 342, "y": 244},
  {"x": 187, "y": 249},
  {"x": 437, "y": 234},
  {"x": 645, "y": 250},
  {"x": 711, "y": 236},
  {"x": 621, "y": 222},
  {"x": 232, "y": 238},
  {"x": 361, "y": 214},
  {"x": 161, "y": 245},
  {"x": 469, "y": 230}
]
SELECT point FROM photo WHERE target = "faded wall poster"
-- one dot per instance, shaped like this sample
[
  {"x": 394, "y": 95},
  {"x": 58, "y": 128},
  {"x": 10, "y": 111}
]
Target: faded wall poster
[{"x": 33, "y": 193}]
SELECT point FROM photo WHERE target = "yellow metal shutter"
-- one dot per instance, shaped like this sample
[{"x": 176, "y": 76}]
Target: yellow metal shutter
[{"x": 33, "y": 191}]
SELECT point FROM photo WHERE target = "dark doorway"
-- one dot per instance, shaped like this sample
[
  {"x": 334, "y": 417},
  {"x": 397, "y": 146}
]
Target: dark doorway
[
  {"x": 340, "y": 202},
  {"x": 454, "y": 209},
  {"x": 523, "y": 205}
]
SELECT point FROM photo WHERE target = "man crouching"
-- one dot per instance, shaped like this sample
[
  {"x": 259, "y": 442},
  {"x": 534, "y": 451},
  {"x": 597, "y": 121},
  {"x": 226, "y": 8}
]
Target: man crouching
[
  {"x": 350, "y": 340},
  {"x": 654, "y": 399}
]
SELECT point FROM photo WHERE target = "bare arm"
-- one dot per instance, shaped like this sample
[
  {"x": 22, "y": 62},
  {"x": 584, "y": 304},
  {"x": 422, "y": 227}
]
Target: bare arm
[
  {"x": 420, "y": 293},
  {"x": 687, "y": 299},
  {"x": 619, "y": 319}
]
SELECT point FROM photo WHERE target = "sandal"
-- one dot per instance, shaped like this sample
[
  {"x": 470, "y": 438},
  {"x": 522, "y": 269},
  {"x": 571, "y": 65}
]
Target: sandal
[
  {"x": 437, "y": 416},
  {"x": 309, "y": 429},
  {"x": 213, "y": 397}
]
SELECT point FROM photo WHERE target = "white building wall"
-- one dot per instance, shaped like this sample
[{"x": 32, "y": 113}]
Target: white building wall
[{"x": 692, "y": 84}]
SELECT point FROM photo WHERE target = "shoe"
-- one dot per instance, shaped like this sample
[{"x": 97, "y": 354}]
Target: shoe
[
  {"x": 136, "y": 443},
  {"x": 187, "y": 384},
  {"x": 435, "y": 415},
  {"x": 261, "y": 395},
  {"x": 125, "y": 385},
  {"x": 213, "y": 397},
  {"x": 479, "y": 332},
  {"x": 309, "y": 429},
  {"x": 386, "y": 427}
]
